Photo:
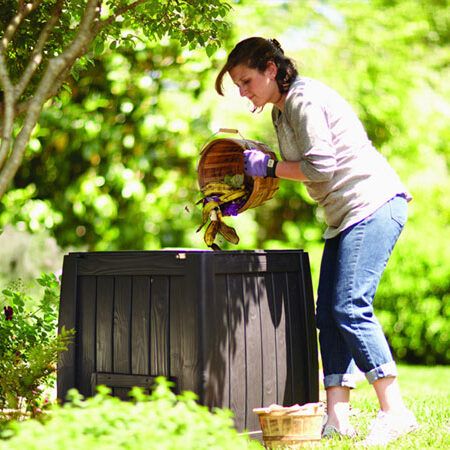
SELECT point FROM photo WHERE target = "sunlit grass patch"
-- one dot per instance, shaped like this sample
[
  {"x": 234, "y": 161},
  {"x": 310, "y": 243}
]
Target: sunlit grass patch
[{"x": 426, "y": 393}]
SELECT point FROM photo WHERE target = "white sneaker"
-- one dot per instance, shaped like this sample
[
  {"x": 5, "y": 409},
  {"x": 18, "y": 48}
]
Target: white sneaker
[
  {"x": 388, "y": 427},
  {"x": 330, "y": 431}
]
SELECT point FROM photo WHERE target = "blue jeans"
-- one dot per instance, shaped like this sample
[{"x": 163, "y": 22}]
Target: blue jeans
[{"x": 352, "y": 264}]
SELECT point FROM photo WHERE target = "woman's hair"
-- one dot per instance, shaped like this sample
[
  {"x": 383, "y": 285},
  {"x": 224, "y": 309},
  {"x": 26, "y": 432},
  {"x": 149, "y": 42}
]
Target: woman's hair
[{"x": 256, "y": 53}]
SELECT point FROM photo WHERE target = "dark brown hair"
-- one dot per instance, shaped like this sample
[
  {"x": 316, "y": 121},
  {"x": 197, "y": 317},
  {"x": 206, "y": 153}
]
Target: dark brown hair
[{"x": 256, "y": 53}]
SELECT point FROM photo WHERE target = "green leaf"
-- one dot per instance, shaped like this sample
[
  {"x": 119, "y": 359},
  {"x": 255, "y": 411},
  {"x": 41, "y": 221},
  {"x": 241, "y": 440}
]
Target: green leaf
[
  {"x": 210, "y": 49},
  {"x": 99, "y": 47}
]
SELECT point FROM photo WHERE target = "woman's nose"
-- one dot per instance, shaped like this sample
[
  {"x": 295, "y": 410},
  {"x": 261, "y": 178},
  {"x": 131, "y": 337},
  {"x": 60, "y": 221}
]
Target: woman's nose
[{"x": 242, "y": 91}]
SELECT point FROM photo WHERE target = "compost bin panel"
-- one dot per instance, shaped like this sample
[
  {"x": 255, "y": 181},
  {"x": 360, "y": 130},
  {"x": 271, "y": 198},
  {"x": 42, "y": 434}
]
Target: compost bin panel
[
  {"x": 122, "y": 325},
  {"x": 237, "y": 369},
  {"x": 184, "y": 350},
  {"x": 67, "y": 364},
  {"x": 86, "y": 322},
  {"x": 121, "y": 331},
  {"x": 311, "y": 369},
  {"x": 283, "y": 351},
  {"x": 237, "y": 328},
  {"x": 140, "y": 319},
  {"x": 218, "y": 344},
  {"x": 159, "y": 326},
  {"x": 268, "y": 341},
  {"x": 295, "y": 333},
  {"x": 104, "y": 323},
  {"x": 253, "y": 350}
]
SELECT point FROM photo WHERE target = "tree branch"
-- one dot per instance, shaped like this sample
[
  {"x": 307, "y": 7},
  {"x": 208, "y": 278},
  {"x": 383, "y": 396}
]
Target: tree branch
[
  {"x": 36, "y": 56},
  {"x": 84, "y": 37},
  {"x": 23, "y": 12},
  {"x": 8, "y": 113},
  {"x": 19, "y": 109},
  {"x": 109, "y": 20},
  {"x": 8, "y": 110},
  {"x": 58, "y": 83},
  {"x": 52, "y": 75}
]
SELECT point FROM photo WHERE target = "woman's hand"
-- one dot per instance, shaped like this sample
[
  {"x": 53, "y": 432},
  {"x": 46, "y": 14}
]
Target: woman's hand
[{"x": 257, "y": 163}]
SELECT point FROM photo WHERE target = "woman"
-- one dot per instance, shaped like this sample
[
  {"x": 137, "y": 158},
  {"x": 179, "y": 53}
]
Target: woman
[{"x": 324, "y": 145}]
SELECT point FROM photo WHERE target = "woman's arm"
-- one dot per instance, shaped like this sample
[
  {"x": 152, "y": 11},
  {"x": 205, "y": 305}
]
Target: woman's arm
[
  {"x": 290, "y": 170},
  {"x": 310, "y": 138}
]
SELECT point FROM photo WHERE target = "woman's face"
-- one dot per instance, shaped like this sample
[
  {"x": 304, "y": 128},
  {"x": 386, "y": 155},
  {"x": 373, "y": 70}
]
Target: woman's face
[{"x": 259, "y": 87}]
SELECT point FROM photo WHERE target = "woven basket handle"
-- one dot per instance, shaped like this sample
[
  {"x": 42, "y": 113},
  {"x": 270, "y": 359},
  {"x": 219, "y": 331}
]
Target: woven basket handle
[
  {"x": 223, "y": 130},
  {"x": 229, "y": 130}
]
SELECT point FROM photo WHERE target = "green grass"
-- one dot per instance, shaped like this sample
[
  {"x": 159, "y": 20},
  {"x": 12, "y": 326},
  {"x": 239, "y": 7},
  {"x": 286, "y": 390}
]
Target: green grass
[{"x": 426, "y": 392}]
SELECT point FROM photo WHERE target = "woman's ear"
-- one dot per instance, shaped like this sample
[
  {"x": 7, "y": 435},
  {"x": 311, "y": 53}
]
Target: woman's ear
[{"x": 271, "y": 70}]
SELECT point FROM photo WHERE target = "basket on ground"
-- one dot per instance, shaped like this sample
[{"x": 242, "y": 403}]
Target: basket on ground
[
  {"x": 294, "y": 427},
  {"x": 222, "y": 157}
]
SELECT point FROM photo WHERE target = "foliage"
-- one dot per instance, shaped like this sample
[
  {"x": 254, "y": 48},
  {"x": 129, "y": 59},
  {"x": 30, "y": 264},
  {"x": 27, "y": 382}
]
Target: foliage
[
  {"x": 119, "y": 172},
  {"x": 161, "y": 421},
  {"x": 413, "y": 301},
  {"x": 29, "y": 345},
  {"x": 43, "y": 42},
  {"x": 191, "y": 23}
]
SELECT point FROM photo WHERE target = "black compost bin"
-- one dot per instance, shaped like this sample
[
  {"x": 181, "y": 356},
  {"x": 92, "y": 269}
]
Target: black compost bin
[{"x": 237, "y": 327}]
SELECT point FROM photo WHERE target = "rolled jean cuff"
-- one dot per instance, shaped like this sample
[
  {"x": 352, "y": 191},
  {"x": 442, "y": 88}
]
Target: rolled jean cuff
[
  {"x": 385, "y": 370},
  {"x": 340, "y": 379}
]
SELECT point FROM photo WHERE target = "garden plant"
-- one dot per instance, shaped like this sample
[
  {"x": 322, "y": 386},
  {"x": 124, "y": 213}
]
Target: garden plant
[
  {"x": 29, "y": 347},
  {"x": 159, "y": 421}
]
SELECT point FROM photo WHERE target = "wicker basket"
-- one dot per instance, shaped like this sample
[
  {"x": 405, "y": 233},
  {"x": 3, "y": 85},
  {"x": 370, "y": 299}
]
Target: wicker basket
[
  {"x": 291, "y": 428},
  {"x": 223, "y": 157}
]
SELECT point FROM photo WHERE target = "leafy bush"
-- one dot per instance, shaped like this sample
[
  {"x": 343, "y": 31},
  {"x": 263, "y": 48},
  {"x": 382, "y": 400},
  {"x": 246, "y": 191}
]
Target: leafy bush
[
  {"x": 413, "y": 301},
  {"x": 29, "y": 345},
  {"x": 159, "y": 421}
]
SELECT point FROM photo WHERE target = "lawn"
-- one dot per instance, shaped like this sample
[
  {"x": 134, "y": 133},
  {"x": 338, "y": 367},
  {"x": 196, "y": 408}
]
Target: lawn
[{"x": 426, "y": 392}]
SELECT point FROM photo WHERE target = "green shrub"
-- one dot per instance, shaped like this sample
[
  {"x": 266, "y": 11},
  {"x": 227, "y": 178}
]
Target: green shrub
[
  {"x": 161, "y": 420},
  {"x": 413, "y": 301},
  {"x": 29, "y": 346}
]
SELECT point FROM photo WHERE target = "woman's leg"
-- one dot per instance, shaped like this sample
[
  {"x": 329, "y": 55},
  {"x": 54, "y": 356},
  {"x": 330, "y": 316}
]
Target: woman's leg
[
  {"x": 360, "y": 255},
  {"x": 338, "y": 409},
  {"x": 337, "y": 361},
  {"x": 364, "y": 250},
  {"x": 389, "y": 396},
  {"x": 394, "y": 419}
]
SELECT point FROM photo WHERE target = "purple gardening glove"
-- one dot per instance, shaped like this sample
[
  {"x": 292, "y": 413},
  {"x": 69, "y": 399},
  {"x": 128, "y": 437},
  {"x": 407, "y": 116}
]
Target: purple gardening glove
[{"x": 255, "y": 163}]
